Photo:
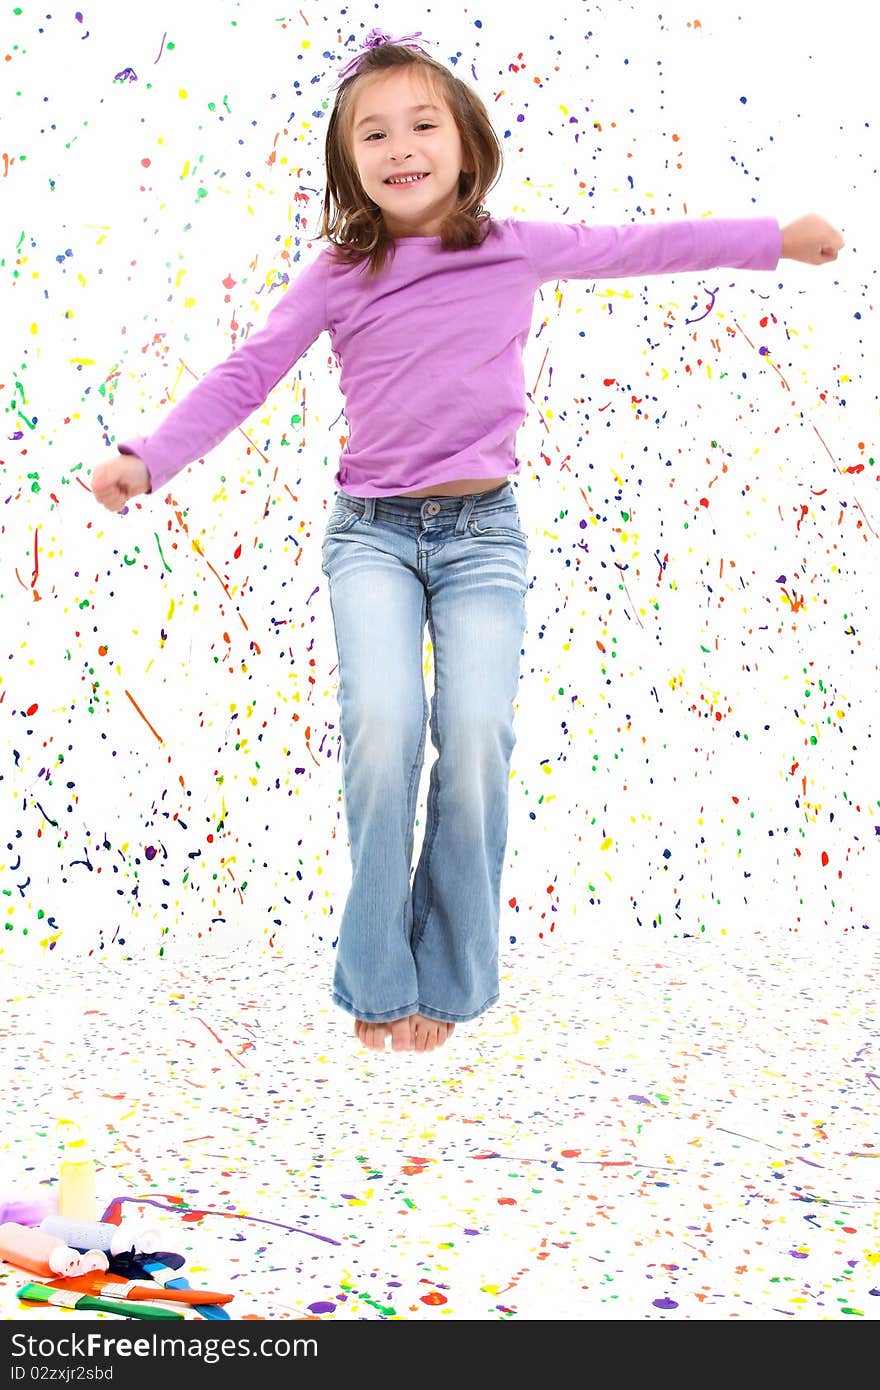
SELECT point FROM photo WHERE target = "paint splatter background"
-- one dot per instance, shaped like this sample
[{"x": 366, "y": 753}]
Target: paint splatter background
[{"x": 695, "y": 759}]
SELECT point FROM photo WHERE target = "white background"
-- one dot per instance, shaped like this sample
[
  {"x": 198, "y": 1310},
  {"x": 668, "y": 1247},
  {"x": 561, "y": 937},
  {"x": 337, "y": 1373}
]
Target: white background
[{"x": 634, "y": 809}]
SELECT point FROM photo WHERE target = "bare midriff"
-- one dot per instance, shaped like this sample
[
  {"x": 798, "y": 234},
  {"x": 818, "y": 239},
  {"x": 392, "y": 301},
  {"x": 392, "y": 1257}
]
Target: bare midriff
[{"x": 461, "y": 487}]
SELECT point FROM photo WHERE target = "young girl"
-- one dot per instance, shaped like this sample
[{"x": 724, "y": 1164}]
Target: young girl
[{"x": 428, "y": 303}]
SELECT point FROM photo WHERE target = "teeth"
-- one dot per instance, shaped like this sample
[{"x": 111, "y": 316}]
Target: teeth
[{"x": 410, "y": 178}]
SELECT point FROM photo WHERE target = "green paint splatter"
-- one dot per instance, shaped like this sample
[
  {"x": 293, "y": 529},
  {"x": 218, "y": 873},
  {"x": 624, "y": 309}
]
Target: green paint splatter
[{"x": 164, "y": 561}]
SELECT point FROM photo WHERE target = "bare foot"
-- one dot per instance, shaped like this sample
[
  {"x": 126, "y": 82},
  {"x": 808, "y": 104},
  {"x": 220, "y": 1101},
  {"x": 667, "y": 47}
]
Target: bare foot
[
  {"x": 429, "y": 1033},
  {"x": 373, "y": 1035}
]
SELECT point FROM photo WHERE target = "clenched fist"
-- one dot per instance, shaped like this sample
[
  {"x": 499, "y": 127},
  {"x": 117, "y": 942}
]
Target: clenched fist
[
  {"x": 119, "y": 479},
  {"x": 811, "y": 239}
]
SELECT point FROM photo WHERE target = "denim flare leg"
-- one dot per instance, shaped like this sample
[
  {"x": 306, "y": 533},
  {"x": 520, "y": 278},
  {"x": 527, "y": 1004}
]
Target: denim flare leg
[{"x": 461, "y": 564}]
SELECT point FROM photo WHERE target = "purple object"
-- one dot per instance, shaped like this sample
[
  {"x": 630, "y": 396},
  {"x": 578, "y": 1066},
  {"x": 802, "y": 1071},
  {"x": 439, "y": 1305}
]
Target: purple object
[
  {"x": 29, "y": 1211},
  {"x": 375, "y": 39},
  {"x": 444, "y": 330}
]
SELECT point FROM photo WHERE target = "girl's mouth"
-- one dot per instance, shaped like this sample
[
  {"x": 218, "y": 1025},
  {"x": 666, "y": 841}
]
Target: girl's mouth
[{"x": 409, "y": 182}]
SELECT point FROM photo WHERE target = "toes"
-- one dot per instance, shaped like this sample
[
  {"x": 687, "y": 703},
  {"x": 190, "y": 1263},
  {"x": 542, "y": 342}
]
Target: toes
[
  {"x": 412, "y": 1034},
  {"x": 371, "y": 1035},
  {"x": 401, "y": 1035},
  {"x": 425, "y": 1033},
  {"x": 429, "y": 1033}
]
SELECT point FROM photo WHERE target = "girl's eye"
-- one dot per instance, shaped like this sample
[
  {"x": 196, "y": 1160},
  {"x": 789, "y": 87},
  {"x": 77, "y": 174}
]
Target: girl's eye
[{"x": 427, "y": 124}]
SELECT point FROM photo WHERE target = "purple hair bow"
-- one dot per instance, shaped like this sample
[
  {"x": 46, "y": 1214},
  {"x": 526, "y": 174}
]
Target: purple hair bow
[{"x": 374, "y": 39}]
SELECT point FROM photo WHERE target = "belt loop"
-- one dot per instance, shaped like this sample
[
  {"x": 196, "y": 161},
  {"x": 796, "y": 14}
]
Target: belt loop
[
  {"x": 369, "y": 511},
  {"x": 464, "y": 515}
]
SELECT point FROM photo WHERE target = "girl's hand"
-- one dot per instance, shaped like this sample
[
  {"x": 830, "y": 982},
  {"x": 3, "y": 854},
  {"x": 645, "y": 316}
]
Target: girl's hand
[
  {"x": 811, "y": 239},
  {"x": 119, "y": 479}
]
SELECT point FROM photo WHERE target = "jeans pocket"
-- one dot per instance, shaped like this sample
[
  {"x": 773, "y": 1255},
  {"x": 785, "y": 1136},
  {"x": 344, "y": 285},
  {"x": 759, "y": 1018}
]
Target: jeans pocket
[
  {"x": 502, "y": 521},
  {"x": 340, "y": 521}
]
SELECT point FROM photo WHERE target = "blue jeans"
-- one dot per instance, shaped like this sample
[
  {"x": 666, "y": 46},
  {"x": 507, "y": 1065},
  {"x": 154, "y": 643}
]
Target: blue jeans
[{"x": 392, "y": 562}]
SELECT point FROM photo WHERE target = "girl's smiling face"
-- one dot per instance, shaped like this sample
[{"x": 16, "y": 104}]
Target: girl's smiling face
[{"x": 401, "y": 128}]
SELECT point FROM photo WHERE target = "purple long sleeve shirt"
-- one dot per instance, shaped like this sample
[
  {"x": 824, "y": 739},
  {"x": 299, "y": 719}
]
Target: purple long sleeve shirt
[{"x": 430, "y": 352}]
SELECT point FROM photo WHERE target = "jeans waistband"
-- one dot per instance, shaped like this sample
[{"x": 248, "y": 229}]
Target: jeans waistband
[{"x": 414, "y": 509}]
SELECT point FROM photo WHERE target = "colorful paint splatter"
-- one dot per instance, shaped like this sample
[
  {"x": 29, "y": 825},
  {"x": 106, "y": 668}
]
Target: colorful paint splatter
[
  {"x": 677, "y": 1132},
  {"x": 669, "y": 1113}
]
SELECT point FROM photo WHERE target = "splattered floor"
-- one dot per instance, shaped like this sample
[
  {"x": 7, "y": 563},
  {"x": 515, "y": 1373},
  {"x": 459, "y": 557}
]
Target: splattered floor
[{"x": 640, "y": 1131}]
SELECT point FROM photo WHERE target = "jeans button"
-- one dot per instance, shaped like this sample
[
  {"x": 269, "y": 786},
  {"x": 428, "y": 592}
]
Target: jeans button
[{"x": 433, "y": 508}]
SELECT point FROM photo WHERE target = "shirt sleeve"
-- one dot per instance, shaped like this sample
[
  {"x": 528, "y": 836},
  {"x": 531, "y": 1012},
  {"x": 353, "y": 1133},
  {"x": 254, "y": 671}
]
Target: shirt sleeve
[
  {"x": 232, "y": 390},
  {"x": 574, "y": 250}
]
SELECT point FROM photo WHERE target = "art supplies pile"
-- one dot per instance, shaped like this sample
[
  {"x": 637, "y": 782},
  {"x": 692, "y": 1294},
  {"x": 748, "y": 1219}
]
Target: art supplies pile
[{"x": 92, "y": 1265}]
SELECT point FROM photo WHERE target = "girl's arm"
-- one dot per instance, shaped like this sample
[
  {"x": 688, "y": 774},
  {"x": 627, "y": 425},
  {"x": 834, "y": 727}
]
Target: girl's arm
[
  {"x": 224, "y": 397},
  {"x": 579, "y": 250}
]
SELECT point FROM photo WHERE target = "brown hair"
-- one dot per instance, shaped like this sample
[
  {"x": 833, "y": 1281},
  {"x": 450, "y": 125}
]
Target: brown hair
[{"x": 356, "y": 226}]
